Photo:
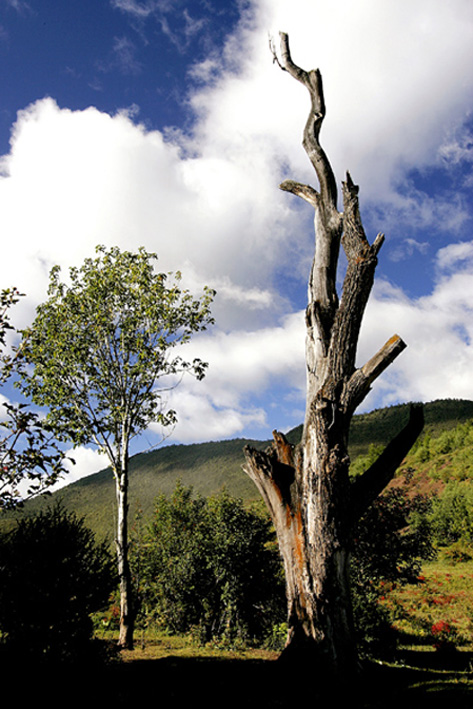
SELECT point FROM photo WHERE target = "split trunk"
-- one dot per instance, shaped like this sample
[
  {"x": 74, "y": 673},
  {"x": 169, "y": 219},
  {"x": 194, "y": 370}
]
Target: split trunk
[{"x": 312, "y": 502}]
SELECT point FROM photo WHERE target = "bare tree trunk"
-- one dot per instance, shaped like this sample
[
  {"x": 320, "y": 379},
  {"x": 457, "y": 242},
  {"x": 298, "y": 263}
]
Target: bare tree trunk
[
  {"x": 312, "y": 502},
  {"x": 125, "y": 639}
]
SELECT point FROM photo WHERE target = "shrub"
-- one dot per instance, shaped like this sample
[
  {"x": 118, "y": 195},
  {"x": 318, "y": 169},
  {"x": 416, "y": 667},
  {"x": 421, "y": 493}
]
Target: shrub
[
  {"x": 452, "y": 515},
  {"x": 53, "y": 575},
  {"x": 390, "y": 543},
  {"x": 210, "y": 566},
  {"x": 458, "y": 553}
]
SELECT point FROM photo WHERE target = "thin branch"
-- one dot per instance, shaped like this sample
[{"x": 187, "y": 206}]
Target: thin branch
[
  {"x": 383, "y": 358},
  {"x": 306, "y": 192},
  {"x": 272, "y": 49},
  {"x": 312, "y": 80}
]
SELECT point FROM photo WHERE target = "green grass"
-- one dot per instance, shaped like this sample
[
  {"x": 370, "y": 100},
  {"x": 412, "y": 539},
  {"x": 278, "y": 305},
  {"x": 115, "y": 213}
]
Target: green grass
[
  {"x": 418, "y": 676},
  {"x": 154, "y": 645},
  {"x": 434, "y": 617},
  {"x": 185, "y": 674}
]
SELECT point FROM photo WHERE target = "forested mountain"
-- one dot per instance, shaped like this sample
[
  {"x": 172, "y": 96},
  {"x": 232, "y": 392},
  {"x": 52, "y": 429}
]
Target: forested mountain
[{"x": 211, "y": 467}]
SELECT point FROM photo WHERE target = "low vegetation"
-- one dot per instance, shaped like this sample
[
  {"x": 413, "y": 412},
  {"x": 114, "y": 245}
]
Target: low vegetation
[
  {"x": 208, "y": 577},
  {"x": 208, "y": 567},
  {"x": 53, "y": 576}
]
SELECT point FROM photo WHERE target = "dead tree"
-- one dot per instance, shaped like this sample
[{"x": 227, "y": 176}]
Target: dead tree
[{"x": 312, "y": 502}]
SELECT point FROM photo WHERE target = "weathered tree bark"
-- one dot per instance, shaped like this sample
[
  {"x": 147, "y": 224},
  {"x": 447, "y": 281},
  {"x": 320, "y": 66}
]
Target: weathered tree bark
[{"x": 312, "y": 502}]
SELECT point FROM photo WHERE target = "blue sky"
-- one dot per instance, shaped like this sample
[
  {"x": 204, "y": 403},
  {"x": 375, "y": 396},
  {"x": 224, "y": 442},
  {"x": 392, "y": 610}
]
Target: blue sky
[
  {"x": 165, "y": 124},
  {"x": 86, "y": 53}
]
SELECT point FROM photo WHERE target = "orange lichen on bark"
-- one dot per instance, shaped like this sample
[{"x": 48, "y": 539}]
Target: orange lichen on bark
[
  {"x": 298, "y": 539},
  {"x": 392, "y": 340}
]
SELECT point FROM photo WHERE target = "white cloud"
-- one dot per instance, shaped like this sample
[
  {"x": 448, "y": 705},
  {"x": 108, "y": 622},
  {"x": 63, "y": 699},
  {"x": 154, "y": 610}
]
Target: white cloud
[
  {"x": 74, "y": 179},
  {"x": 124, "y": 57},
  {"x": 4, "y": 400},
  {"x": 438, "y": 329},
  {"x": 243, "y": 366},
  {"x": 396, "y": 79},
  {"x": 78, "y": 178},
  {"x": 438, "y": 362},
  {"x": 200, "y": 418},
  {"x": 398, "y": 84},
  {"x": 458, "y": 147},
  {"x": 140, "y": 9},
  {"x": 459, "y": 255},
  {"x": 407, "y": 248},
  {"x": 87, "y": 462}
]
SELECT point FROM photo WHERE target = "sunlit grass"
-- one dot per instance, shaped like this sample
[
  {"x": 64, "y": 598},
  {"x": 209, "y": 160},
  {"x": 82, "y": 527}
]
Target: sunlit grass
[
  {"x": 154, "y": 644},
  {"x": 442, "y": 595}
]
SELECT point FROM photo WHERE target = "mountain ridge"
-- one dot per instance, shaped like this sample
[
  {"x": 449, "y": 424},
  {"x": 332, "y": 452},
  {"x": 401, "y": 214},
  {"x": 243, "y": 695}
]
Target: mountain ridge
[{"x": 212, "y": 466}]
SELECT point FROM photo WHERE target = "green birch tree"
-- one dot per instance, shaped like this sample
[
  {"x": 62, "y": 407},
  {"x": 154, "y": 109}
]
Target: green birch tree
[{"x": 93, "y": 356}]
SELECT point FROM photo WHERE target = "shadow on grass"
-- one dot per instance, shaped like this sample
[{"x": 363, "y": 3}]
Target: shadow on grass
[
  {"x": 263, "y": 684},
  {"x": 185, "y": 682},
  {"x": 448, "y": 661},
  {"x": 418, "y": 680}
]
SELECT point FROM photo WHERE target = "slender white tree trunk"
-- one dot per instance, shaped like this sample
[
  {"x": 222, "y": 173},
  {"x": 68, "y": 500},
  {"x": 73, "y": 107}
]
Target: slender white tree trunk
[{"x": 125, "y": 639}]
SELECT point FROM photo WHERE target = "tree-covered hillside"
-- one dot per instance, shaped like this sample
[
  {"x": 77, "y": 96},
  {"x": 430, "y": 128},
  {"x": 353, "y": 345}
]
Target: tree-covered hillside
[{"x": 210, "y": 467}]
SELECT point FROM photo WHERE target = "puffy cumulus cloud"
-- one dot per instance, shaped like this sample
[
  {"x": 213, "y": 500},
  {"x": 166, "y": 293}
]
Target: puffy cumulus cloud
[
  {"x": 199, "y": 419},
  {"x": 81, "y": 461},
  {"x": 398, "y": 91},
  {"x": 74, "y": 179},
  {"x": 438, "y": 329},
  {"x": 454, "y": 256},
  {"x": 265, "y": 365},
  {"x": 396, "y": 79},
  {"x": 397, "y": 84}
]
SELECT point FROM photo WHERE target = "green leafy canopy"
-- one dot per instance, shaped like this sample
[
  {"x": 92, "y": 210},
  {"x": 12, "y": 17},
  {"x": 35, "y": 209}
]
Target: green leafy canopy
[
  {"x": 100, "y": 343},
  {"x": 29, "y": 456}
]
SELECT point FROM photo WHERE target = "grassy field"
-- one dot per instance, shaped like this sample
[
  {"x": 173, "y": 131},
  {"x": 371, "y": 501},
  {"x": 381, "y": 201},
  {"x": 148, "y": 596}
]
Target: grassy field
[
  {"x": 433, "y": 663},
  {"x": 438, "y": 609},
  {"x": 173, "y": 671},
  {"x": 185, "y": 675},
  {"x": 419, "y": 676}
]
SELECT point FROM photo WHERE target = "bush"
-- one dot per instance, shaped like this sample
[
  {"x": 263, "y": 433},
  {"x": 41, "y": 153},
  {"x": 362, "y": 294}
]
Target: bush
[
  {"x": 452, "y": 515},
  {"x": 210, "y": 567},
  {"x": 458, "y": 553},
  {"x": 390, "y": 543},
  {"x": 53, "y": 575}
]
